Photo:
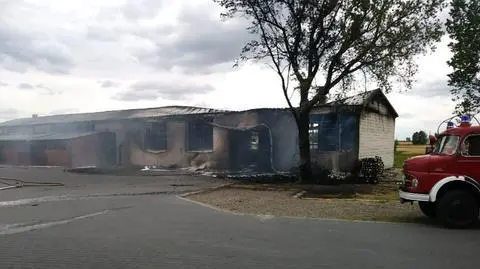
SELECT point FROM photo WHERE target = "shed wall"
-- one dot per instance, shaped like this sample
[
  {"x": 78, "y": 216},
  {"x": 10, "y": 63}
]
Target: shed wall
[
  {"x": 377, "y": 134},
  {"x": 176, "y": 153}
]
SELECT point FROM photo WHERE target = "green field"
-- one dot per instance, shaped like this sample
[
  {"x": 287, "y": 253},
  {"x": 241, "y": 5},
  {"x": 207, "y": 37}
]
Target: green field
[{"x": 406, "y": 150}]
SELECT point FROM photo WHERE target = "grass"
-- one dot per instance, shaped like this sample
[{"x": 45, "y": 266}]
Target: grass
[{"x": 405, "y": 151}]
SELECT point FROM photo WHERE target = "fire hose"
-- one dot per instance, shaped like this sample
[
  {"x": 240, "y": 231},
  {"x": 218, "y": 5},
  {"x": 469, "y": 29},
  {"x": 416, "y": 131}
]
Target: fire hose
[{"x": 12, "y": 183}]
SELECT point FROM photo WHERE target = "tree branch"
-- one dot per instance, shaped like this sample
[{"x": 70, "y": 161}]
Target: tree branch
[{"x": 276, "y": 62}]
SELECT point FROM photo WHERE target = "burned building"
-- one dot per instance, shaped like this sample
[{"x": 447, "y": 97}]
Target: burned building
[{"x": 177, "y": 136}]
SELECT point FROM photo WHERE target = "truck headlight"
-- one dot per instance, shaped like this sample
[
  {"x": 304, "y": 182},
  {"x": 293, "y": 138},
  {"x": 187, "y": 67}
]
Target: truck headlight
[{"x": 414, "y": 183}]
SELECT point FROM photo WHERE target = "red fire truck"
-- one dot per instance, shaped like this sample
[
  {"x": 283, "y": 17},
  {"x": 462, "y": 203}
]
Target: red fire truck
[{"x": 446, "y": 180}]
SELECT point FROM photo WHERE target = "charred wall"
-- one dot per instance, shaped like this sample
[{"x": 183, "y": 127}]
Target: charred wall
[
  {"x": 118, "y": 131},
  {"x": 280, "y": 134},
  {"x": 231, "y": 134},
  {"x": 14, "y": 153},
  {"x": 334, "y": 138},
  {"x": 177, "y": 153},
  {"x": 284, "y": 138},
  {"x": 92, "y": 150}
]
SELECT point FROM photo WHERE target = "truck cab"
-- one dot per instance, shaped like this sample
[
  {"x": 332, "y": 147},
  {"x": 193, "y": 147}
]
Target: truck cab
[{"x": 446, "y": 181}]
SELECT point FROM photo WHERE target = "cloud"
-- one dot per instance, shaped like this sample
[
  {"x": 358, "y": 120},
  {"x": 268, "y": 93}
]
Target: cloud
[
  {"x": 190, "y": 39},
  {"x": 47, "y": 90},
  {"x": 407, "y": 115},
  {"x": 39, "y": 88},
  {"x": 8, "y": 113},
  {"x": 108, "y": 84},
  {"x": 100, "y": 34},
  {"x": 22, "y": 49},
  {"x": 198, "y": 44},
  {"x": 20, "y": 52},
  {"x": 63, "y": 111},
  {"x": 78, "y": 49},
  {"x": 25, "y": 86},
  {"x": 141, "y": 9},
  {"x": 434, "y": 88},
  {"x": 3, "y": 84},
  {"x": 151, "y": 90}
]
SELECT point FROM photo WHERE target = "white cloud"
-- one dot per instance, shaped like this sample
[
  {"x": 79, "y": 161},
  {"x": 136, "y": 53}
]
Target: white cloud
[{"x": 84, "y": 55}]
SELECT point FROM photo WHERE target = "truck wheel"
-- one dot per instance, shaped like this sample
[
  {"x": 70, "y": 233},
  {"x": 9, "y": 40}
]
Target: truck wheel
[
  {"x": 428, "y": 209},
  {"x": 457, "y": 209}
]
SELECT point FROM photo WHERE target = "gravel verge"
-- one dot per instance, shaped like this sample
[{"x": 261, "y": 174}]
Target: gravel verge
[{"x": 282, "y": 203}]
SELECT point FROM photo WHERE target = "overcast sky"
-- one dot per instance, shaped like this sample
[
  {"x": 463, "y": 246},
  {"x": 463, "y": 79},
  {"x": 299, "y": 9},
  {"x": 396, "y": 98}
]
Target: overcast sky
[{"x": 66, "y": 56}]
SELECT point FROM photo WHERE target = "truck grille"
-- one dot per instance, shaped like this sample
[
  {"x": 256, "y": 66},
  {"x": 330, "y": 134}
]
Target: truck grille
[{"x": 407, "y": 182}]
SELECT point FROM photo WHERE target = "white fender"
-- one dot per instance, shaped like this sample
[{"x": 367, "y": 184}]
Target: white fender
[{"x": 434, "y": 191}]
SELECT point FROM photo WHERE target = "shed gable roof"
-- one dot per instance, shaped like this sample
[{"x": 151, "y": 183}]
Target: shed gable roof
[{"x": 364, "y": 98}]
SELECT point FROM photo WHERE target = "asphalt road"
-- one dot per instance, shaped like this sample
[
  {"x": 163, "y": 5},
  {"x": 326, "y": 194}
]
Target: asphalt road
[{"x": 157, "y": 229}]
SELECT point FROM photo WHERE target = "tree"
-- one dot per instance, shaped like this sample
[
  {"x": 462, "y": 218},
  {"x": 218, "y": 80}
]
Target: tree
[
  {"x": 408, "y": 139},
  {"x": 322, "y": 46},
  {"x": 415, "y": 138},
  {"x": 463, "y": 27},
  {"x": 419, "y": 138}
]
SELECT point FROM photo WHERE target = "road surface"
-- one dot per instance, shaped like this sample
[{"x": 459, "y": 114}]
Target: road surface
[{"x": 67, "y": 227}]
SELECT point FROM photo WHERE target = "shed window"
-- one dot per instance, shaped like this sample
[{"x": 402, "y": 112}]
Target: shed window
[
  {"x": 155, "y": 136},
  {"x": 324, "y": 132},
  {"x": 254, "y": 140},
  {"x": 55, "y": 145},
  {"x": 199, "y": 135},
  {"x": 85, "y": 126},
  {"x": 313, "y": 132}
]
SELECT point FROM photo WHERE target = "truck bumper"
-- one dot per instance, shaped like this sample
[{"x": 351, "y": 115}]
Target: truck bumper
[{"x": 410, "y": 197}]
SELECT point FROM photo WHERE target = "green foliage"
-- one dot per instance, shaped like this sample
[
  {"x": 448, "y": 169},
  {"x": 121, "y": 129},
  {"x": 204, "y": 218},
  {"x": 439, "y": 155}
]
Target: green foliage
[
  {"x": 325, "y": 45},
  {"x": 408, "y": 139},
  {"x": 463, "y": 27},
  {"x": 419, "y": 138},
  {"x": 338, "y": 38},
  {"x": 400, "y": 157},
  {"x": 395, "y": 145}
]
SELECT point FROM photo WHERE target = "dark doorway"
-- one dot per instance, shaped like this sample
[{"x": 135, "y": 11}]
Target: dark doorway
[
  {"x": 108, "y": 148},
  {"x": 249, "y": 149},
  {"x": 38, "y": 154},
  {"x": 120, "y": 154}
]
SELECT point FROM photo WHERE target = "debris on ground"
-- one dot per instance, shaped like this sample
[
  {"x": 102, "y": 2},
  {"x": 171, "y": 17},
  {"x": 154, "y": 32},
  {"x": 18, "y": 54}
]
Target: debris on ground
[{"x": 11, "y": 183}]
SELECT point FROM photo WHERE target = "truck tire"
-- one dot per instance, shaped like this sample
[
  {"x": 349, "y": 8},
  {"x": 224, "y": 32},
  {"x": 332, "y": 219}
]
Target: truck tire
[
  {"x": 458, "y": 209},
  {"x": 428, "y": 209}
]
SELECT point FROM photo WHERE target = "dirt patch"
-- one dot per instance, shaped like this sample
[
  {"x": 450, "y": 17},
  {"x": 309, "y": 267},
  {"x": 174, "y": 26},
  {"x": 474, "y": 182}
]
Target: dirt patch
[
  {"x": 378, "y": 202},
  {"x": 282, "y": 203},
  {"x": 386, "y": 191}
]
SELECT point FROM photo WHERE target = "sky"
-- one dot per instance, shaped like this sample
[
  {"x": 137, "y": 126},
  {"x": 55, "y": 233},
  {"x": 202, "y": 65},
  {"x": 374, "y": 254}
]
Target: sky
[{"x": 75, "y": 56}]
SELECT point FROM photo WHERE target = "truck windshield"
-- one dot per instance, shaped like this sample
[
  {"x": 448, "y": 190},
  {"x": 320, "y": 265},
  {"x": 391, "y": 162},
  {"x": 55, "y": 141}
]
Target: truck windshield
[{"x": 446, "y": 145}]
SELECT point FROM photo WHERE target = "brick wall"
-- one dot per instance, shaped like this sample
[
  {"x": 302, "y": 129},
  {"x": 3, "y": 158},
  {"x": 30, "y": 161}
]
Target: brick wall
[
  {"x": 377, "y": 136},
  {"x": 57, "y": 157},
  {"x": 83, "y": 151},
  {"x": 15, "y": 153}
]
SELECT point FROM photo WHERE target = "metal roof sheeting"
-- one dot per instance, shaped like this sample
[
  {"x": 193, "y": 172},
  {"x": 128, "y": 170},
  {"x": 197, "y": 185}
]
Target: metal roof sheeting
[
  {"x": 48, "y": 136},
  {"x": 360, "y": 99},
  {"x": 356, "y": 100},
  {"x": 113, "y": 115},
  {"x": 363, "y": 98}
]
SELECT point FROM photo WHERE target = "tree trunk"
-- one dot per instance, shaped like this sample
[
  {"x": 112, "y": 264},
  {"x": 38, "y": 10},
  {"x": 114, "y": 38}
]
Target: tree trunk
[{"x": 304, "y": 147}]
